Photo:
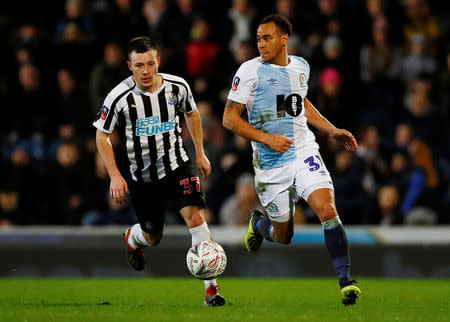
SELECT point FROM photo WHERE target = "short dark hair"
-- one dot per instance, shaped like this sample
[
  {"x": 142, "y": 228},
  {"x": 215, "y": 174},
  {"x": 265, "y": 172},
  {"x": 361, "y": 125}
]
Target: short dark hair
[
  {"x": 282, "y": 23},
  {"x": 140, "y": 45}
]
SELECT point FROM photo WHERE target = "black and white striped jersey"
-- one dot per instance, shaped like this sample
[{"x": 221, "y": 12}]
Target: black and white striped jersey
[{"x": 150, "y": 122}]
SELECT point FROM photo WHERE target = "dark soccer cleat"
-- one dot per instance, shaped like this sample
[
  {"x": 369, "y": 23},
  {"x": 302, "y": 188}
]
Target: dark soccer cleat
[
  {"x": 350, "y": 293},
  {"x": 135, "y": 256},
  {"x": 212, "y": 296},
  {"x": 252, "y": 239}
]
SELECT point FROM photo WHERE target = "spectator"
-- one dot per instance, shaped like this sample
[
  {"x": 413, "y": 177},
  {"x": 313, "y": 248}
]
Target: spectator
[
  {"x": 235, "y": 210},
  {"x": 418, "y": 180},
  {"x": 120, "y": 21},
  {"x": 105, "y": 74},
  {"x": 101, "y": 209},
  {"x": 333, "y": 53},
  {"x": 329, "y": 99},
  {"x": 31, "y": 46},
  {"x": 330, "y": 18},
  {"x": 30, "y": 100},
  {"x": 421, "y": 22},
  {"x": 243, "y": 22},
  {"x": 175, "y": 28},
  {"x": 243, "y": 52},
  {"x": 416, "y": 61},
  {"x": 388, "y": 202},
  {"x": 378, "y": 55},
  {"x": 296, "y": 47},
  {"x": 417, "y": 176},
  {"x": 75, "y": 12},
  {"x": 233, "y": 162},
  {"x": 24, "y": 56},
  {"x": 373, "y": 155},
  {"x": 288, "y": 9},
  {"x": 403, "y": 136},
  {"x": 74, "y": 49},
  {"x": 201, "y": 50},
  {"x": 374, "y": 9},
  {"x": 73, "y": 106},
  {"x": 152, "y": 11},
  {"x": 421, "y": 114},
  {"x": 66, "y": 132},
  {"x": 400, "y": 172},
  {"x": 350, "y": 197},
  {"x": 68, "y": 180},
  {"x": 422, "y": 158},
  {"x": 10, "y": 212},
  {"x": 20, "y": 191}
]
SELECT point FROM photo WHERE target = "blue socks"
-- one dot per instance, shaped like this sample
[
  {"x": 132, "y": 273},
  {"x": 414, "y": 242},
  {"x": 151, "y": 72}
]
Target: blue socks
[
  {"x": 335, "y": 240},
  {"x": 337, "y": 244},
  {"x": 264, "y": 227}
]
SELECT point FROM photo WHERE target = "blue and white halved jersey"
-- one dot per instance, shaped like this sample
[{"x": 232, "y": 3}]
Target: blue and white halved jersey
[{"x": 274, "y": 96}]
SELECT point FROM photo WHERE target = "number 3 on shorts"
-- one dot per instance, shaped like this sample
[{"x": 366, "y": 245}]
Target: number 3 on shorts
[{"x": 314, "y": 166}]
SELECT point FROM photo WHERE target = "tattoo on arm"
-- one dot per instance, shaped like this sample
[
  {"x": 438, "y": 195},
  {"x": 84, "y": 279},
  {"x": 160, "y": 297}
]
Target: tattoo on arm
[
  {"x": 232, "y": 115},
  {"x": 235, "y": 105}
]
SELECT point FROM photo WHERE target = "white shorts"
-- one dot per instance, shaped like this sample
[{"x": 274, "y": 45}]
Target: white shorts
[{"x": 279, "y": 188}]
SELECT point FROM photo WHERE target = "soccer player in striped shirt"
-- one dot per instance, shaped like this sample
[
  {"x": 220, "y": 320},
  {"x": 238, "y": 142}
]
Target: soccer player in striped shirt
[
  {"x": 273, "y": 88},
  {"x": 145, "y": 107}
]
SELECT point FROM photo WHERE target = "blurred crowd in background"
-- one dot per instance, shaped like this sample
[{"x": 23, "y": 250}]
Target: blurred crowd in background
[{"x": 379, "y": 68}]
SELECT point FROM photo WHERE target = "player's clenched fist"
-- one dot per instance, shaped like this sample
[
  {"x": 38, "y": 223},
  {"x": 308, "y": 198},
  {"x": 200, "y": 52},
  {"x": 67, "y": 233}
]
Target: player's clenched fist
[{"x": 278, "y": 142}]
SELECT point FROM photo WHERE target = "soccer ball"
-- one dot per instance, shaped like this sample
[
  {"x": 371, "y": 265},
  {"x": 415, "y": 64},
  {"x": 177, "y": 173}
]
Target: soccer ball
[{"x": 206, "y": 260}]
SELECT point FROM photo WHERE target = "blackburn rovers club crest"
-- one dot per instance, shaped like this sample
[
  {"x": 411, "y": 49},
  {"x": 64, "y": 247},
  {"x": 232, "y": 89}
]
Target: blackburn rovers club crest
[
  {"x": 302, "y": 80},
  {"x": 271, "y": 207}
]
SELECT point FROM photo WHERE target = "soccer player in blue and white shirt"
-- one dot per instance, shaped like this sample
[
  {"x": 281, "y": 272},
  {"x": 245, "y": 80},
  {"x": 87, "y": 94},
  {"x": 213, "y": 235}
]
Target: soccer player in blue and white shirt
[{"x": 273, "y": 88}]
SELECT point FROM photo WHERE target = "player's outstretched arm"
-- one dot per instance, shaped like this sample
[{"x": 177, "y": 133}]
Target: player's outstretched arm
[
  {"x": 194, "y": 124},
  {"x": 233, "y": 121},
  {"x": 320, "y": 122},
  {"x": 118, "y": 185}
]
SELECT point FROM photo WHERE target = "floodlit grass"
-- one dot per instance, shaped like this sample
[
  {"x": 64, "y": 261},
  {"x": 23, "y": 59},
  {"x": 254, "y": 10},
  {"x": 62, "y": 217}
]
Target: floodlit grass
[{"x": 170, "y": 299}]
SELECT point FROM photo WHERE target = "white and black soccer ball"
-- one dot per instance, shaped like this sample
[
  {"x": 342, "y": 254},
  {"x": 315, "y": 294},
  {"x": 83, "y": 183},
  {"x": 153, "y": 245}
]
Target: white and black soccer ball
[{"x": 206, "y": 260}]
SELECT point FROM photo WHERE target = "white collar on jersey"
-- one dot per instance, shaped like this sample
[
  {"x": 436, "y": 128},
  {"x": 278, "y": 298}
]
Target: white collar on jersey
[{"x": 140, "y": 91}]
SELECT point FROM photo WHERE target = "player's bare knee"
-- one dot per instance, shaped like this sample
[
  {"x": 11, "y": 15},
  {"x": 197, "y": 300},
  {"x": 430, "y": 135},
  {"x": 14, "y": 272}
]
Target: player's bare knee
[
  {"x": 327, "y": 211},
  {"x": 193, "y": 216},
  {"x": 195, "y": 220}
]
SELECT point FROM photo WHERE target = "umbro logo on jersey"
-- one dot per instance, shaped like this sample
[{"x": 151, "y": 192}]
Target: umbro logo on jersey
[{"x": 272, "y": 81}]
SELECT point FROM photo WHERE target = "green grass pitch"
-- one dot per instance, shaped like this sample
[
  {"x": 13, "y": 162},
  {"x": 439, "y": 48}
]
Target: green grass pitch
[{"x": 178, "y": 299}]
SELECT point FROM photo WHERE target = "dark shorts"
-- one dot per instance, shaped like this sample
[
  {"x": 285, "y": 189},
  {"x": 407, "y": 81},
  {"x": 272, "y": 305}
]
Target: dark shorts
[{"x": 182, "y": 187}]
